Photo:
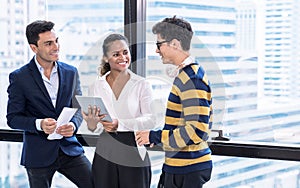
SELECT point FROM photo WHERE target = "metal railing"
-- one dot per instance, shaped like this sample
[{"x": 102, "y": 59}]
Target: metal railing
[{"x": 223, "y": 147}]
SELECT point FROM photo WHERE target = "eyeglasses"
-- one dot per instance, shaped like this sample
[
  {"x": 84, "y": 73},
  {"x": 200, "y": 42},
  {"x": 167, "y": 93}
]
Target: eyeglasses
[{"x": 158, "y": 44}]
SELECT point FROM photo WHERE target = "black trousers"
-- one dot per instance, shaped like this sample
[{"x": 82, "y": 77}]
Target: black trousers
[
  {"x": 191, "y": 180},
  {"x": 77, "y": 169},
  {"x": 117, "y": 163}
]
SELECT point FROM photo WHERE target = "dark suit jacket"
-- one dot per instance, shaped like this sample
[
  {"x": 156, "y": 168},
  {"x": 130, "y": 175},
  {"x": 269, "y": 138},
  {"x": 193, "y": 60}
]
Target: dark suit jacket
[{"x": 29, "y": 100}]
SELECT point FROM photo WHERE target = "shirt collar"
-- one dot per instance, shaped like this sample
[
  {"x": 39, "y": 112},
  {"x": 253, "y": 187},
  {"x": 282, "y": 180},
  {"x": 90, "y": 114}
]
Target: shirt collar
[
  {"x": 189, "y": 60},
  {"x": 41, "y": 69},
  {"x": 132, "y": 75}
]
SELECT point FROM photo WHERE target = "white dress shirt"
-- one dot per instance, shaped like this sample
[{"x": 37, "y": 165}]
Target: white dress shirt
[
  {"x": 132, "y": 108},
  {"x": 51, "y": 85}
]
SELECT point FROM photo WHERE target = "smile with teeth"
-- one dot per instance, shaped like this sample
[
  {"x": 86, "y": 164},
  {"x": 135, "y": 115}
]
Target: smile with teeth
[{"x": 123, "y": 63}]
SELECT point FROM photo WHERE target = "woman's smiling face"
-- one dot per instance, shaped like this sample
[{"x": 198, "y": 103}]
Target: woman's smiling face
[{"x": 118, "y": 55}]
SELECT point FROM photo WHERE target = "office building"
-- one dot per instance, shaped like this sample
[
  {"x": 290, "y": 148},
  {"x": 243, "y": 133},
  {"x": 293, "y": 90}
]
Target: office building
[{"x": 281, "y": 55}]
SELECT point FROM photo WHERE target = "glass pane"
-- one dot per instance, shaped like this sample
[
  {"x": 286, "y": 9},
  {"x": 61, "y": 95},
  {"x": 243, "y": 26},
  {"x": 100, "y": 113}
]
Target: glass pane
[
  {"x": 250, "y": 51},
  {"x": 81, "y": 26},
  {"x": 228, "y": 172},
  {"x": 14, "y": 175},
  {"x": 234, "y": 172}
]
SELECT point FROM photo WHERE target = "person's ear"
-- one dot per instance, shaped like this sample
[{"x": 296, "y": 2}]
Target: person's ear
[
  {"x": 105, "y": 59},
  {"x": 176, "y": 43},
  {"x": 33, "y": 48}
]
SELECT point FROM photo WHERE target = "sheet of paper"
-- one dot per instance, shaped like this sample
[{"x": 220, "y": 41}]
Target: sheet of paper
[
  {"x": 64, "y": 118},
  {"x": 142, "y": 150}
]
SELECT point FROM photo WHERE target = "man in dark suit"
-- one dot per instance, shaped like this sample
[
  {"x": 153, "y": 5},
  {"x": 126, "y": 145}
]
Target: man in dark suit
[{"x": 37, "y": 94}]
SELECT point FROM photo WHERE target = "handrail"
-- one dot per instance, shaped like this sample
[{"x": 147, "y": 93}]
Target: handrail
[{"x": 263, "y": 150}]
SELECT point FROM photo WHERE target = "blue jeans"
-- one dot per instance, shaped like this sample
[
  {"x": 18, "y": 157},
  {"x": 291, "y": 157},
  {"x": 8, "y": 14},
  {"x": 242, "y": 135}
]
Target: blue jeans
[{"x": 77, "y": 169}]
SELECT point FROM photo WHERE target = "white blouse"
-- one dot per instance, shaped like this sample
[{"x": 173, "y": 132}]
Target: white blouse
[{"x": 132, "y": 108}]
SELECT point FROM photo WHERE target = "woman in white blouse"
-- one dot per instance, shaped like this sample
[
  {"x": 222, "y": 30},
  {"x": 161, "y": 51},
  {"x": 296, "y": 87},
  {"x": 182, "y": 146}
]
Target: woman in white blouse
[{"x": 118, "y": 162}]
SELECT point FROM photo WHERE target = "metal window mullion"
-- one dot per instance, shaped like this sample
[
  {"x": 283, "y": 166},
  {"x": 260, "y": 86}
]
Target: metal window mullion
[{"x": 135, "y": 31}]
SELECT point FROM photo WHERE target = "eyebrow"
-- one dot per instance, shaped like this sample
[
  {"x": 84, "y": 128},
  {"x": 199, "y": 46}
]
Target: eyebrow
[
  {"x": 120, "y": 51},
  {"x": 50, "y": 40},
  {"x": 47, "y": 41}
]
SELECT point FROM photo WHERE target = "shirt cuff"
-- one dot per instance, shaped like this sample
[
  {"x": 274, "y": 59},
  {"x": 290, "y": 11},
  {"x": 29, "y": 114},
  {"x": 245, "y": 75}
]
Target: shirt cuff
[
  {"x": 38, "y": 124},
  {"x": 74, "y": 127},
  {"x": 155, "y": 137}
]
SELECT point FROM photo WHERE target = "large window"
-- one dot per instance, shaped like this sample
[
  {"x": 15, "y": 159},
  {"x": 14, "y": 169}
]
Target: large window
[
  {"x": 248, "y": 49},
  {"x": 81, "y": 26},
  {"x": 252, "y": 70}
]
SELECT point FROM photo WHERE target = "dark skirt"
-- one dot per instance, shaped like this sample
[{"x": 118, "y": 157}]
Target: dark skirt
[{"x": 117, "y": 163}]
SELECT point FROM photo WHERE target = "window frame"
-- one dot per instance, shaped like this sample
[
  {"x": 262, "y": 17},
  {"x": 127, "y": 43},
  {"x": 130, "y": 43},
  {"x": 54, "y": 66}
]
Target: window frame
[{"x": 222, "y": 148}]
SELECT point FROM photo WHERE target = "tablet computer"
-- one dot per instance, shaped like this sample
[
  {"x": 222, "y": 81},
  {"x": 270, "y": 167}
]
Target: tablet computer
[{"x": 86, "y": 101}]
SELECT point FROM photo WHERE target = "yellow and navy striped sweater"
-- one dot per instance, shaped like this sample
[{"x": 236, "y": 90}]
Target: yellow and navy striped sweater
[{"x": 187, "y": 123}]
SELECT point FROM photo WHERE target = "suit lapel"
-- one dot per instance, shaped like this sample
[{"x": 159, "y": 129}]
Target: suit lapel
[
  {"x": 36, "y": 75},
  {"x": 62, "y": 85}
]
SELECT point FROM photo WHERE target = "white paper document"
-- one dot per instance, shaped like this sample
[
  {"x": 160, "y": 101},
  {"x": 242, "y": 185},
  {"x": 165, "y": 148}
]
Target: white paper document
[
  {"x": 142, "y": 150},
  {"x": 64, "y": 118}
]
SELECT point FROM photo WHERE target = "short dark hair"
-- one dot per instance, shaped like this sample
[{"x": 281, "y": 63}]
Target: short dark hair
[
  {"x": 175, "y": 28},
  {"x": 35, "y": 28}
]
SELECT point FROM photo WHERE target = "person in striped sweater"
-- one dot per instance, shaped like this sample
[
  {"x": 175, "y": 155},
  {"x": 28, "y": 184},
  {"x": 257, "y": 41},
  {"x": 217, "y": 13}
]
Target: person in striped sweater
[{"x": 188, "y": 119}]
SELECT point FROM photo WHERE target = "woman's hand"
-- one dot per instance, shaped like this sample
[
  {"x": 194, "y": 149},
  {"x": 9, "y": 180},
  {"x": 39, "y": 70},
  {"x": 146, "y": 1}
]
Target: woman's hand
[
  {"x": 92, "y": 118},
  {"x": 110, "y": 126}
]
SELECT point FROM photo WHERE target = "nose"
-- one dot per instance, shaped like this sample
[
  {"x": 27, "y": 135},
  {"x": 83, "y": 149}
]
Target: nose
[
  {"x": 124, "y": 56},
  {"x": 55, "y": 45}
]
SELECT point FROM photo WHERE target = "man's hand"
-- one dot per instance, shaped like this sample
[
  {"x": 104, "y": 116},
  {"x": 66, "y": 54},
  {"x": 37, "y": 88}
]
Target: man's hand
[
  {"x": 142, "y": 137},
  {"x": 66, "y": 130},
  {"x": 48, "y": 125}
]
